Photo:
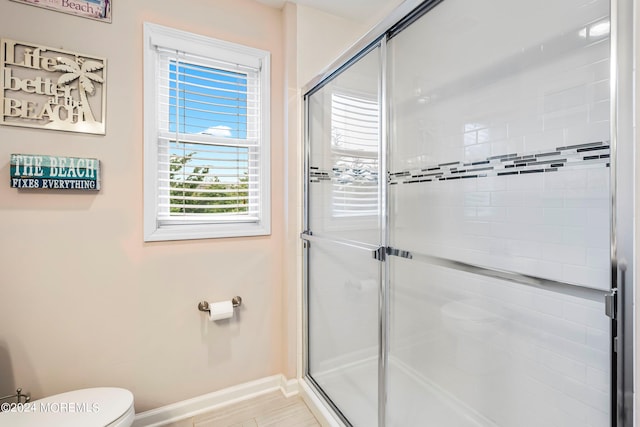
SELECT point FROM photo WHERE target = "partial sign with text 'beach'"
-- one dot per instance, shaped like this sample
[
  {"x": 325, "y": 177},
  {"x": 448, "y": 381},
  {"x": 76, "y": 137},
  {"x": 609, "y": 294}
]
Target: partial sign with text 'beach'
[{"x": 32, "y": 171}]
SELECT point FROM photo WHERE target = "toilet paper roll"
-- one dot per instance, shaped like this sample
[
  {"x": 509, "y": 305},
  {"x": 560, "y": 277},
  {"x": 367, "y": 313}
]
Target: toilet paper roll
[{"x": 220, "y": 310}]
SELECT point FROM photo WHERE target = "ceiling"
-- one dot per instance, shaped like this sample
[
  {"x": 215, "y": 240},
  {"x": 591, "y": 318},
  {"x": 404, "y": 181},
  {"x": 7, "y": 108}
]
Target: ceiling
[{"x": 356, "y": 10}]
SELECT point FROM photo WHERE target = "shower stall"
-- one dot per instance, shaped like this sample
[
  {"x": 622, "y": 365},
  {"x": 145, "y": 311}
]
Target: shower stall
[{"x": 468, "y": 248}]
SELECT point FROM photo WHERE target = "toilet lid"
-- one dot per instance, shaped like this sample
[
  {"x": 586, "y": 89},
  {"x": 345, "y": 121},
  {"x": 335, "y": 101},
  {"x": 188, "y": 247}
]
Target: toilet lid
[
  {"x": 468, "y": 310},
  {"x": 91, "y": 407}
]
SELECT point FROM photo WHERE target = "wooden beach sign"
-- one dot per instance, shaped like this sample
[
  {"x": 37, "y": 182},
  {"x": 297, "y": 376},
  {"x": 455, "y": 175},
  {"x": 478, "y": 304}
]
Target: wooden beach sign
[{"x": 33, "y": 171}]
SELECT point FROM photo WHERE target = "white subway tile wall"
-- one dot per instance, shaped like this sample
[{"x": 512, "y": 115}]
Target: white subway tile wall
[
  {"x": 499, "y": 157},
  {"x": 343, "y": 326},
  {"x": 530, "y": 357},
  {"x": 551, "y": 219},
  {"x": 548, "y": 224}
]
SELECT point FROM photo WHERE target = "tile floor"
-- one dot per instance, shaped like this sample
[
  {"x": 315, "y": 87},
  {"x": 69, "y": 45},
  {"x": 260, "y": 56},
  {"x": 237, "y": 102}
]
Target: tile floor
[{"x": 269, "y": 410}]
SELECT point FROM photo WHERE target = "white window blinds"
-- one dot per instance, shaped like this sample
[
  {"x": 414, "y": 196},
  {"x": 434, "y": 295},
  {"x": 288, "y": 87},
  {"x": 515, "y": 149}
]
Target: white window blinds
[
  {"x": 355, "y": 127},
  {"x": 207, "y": 145},
  {"x": 209, "y": 139}
]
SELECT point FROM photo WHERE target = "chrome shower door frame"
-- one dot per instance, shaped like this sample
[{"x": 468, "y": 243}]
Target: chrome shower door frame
[{"x": 623, "y": 178}]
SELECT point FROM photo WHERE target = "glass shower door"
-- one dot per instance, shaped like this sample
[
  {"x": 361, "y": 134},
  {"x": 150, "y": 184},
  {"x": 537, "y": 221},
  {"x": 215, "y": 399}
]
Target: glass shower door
[
  {"x": 499, "y": 216},
  {"x": 342, "y": 233}
]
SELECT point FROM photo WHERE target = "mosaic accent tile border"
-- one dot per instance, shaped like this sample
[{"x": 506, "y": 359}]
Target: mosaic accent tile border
[
  {"x": 316, "y": 175},
  {"x": 593, "y": 154},
  {"x": 361, "y": 174}
]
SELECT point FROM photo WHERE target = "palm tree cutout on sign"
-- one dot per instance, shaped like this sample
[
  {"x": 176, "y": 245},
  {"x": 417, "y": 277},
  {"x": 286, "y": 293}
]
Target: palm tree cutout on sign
[{"x": 82, "y": 70}]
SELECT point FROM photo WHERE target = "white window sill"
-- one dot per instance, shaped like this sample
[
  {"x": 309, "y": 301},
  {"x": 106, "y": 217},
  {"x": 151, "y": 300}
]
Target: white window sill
[{"x": 206, "y": 231}]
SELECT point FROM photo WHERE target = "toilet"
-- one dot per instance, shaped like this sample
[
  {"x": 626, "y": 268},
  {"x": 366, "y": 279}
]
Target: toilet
[
  {"x": 91, "y": 407},
  {"x": 474, "y": 326}
]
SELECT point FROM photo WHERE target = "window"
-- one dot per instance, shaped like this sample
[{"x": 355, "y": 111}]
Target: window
[
  {"x": 206, "y": 137},
  {"x": 355, "y": 141}
]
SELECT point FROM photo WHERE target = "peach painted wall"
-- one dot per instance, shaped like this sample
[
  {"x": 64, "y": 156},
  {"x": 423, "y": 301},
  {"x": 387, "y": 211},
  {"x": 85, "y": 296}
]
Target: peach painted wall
[
  {"x": 322, "y": 38},
  {"x": 83, "y": 301},
  {"x": 292, "y": 295}
]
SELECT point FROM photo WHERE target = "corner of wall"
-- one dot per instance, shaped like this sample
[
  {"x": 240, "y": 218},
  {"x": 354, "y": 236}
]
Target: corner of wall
[{"x": 292, "y": 194}]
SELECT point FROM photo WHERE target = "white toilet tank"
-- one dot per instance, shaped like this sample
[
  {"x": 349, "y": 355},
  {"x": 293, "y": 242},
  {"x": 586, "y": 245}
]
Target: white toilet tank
[{"x": 91, "y": 407}]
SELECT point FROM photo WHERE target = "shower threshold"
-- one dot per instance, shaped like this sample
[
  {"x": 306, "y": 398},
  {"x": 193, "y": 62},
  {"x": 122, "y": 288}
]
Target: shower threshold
[{"x": 415, "y": 399}]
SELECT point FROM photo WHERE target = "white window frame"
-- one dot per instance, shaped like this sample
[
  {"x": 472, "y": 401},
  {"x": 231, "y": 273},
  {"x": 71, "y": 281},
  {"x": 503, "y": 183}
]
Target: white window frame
[{"x": 169, "y": 38}]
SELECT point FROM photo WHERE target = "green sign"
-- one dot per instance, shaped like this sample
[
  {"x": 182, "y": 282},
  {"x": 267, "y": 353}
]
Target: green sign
[{"x": 32, "y": 171}]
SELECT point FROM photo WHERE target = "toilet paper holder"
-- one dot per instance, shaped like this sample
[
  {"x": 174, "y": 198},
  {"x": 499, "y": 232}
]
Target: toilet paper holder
[{"x": 204, "y": 305}]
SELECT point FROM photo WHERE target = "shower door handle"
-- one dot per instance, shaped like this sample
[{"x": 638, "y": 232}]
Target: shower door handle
[{"x": 623, "y": 349}]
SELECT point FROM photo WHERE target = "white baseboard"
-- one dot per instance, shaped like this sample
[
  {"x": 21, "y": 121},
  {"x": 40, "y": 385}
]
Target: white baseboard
[
  {"x": 199, "y": 405},
  {"x": 289, "y": 387}
]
